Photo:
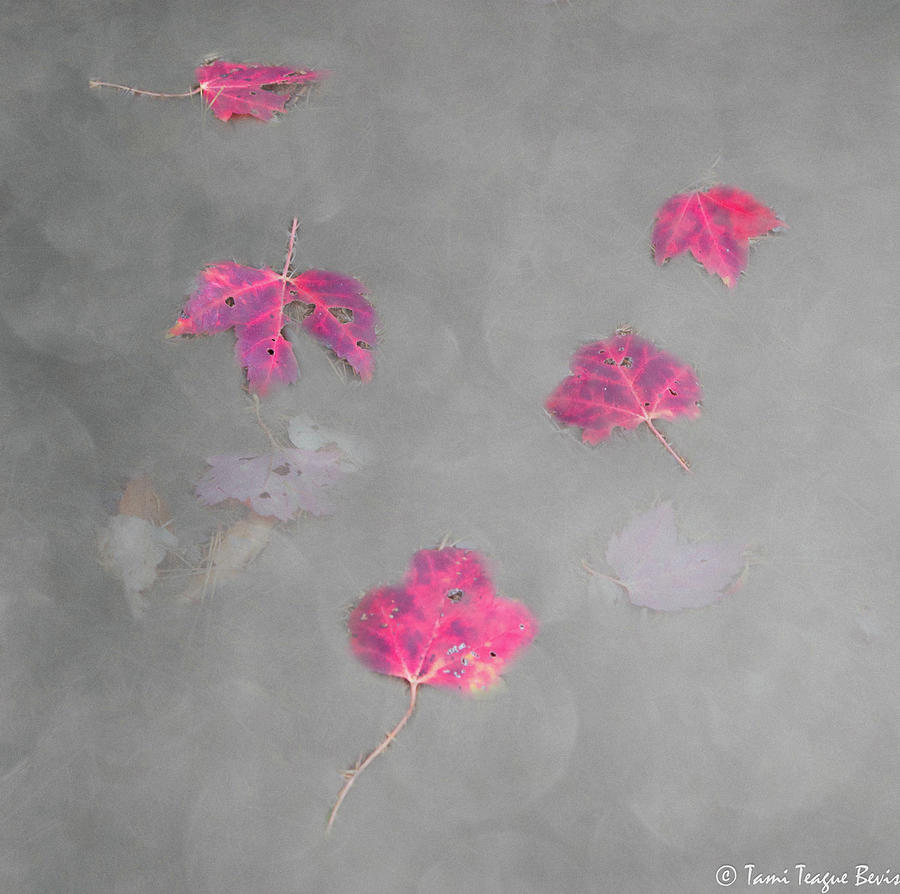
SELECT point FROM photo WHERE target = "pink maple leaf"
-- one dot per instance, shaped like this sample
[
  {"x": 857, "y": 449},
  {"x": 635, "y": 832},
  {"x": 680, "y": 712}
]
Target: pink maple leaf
[
  {"x": 443, "y": 626},
  {"x": 236, "y": 89},
  {"x": 231, "y": 88},
  {"x": 624, "y": 381},
  {"x": 715, "y": 226},
  {"x": 661, "y": 570},
  {"x": 253, "y": 301}
]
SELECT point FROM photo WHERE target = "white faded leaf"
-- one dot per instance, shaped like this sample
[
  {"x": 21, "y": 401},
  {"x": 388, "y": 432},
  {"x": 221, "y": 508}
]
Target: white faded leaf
[
  {"x": 307, "y": 434},
  {"x": 278, "y": 484},
  {"x": 131, "y": 548},
  {"x": 661, "y": 570}
]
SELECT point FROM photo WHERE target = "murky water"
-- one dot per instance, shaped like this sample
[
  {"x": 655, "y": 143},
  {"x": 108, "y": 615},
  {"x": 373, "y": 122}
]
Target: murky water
[{"x": 491, "y": 172}]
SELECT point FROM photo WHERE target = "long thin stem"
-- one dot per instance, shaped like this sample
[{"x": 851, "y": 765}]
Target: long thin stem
[
  {"x": 290, "y": 251},
  {"x": 665, "y": 444},
  {"x": 352, "y": 774},
  {"x": 596, "y": 573},
  {"x": 136, "y": 92}
]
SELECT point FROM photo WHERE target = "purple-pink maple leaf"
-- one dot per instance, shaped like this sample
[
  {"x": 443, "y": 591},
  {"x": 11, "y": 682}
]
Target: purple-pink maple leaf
[
  {"x": 715, "y": 226},
  {"x": 443, "y": 626},
  {"x": 279, "y": 484},
  {"x": 232, "y": 88},
  {"x": 661, "y": 570},
  {"x": 236, "y": 89},
  {"x": 253, "y": 301},
  {"x": 624, "y": 381}
]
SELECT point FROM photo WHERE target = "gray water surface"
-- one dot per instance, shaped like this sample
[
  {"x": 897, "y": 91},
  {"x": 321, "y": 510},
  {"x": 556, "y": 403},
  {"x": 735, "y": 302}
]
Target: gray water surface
[{"x": 491, "y": 171}]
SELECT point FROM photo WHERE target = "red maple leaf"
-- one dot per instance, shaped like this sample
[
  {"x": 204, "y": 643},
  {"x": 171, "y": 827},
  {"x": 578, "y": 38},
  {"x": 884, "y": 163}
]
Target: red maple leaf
[
  {"x": 716, "y": 226},
  {"x": 253, "y": 301},
  {"x": 444, "y": 626},
  {"x": 624, "y": 381},
  {"x": 235, "y": 89}
]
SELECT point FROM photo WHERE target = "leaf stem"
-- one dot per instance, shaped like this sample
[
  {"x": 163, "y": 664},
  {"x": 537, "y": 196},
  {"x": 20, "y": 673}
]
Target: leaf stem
[
  {"x": 352, "y": 774},
  {"x": 596, "y": 573},
  {"x": 136, "y": 92},
  {"x": 290, "y": 251},
  {"x": 666, "y": 444}
]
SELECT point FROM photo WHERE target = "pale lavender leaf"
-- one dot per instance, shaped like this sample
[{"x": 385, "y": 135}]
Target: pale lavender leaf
[
  {"x": 278, "y": 484},
  {"x": 661, "y": 570}
]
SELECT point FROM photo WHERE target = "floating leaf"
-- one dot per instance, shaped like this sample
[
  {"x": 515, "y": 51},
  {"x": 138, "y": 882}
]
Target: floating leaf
[
  {"x": 716, "y": 226},
  {"x": 624, "y": 381},
  {"x": 235, "y": 89},
  {"x": 253, "y": 302},
  {"x": 278, "y": 484},
  {"x": 659, "y": 569},
  {"x": 444, "y": 626}
]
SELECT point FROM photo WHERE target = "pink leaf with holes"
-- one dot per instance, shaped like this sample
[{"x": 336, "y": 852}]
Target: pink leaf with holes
[
  {"x": 624, "y": 381},
  {"x": 443, "y": 626},
  {"x": 237, "y": 90},
  {"x": 259, "y": 91},
  {"x": 659, "y": 569},
  {"x": 279, "y": 484},
  {"x": 715, "y": 226},
  {"x": 254, "y": 302}
]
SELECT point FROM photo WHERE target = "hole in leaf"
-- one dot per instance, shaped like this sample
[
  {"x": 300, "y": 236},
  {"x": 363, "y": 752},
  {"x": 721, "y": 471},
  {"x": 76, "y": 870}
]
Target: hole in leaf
[
  {"x": 364, "y": 346},
  {"x": 521, "y": 626},
  {"x": 646, "y": 403},
  {"x": 341, "y": 314},
  {"x": 283, "y": 469},
  {"x": 609, "y": 361},
  {"x": 455, "y": 595},
  {"x": 627, "y": 362},
  {"x": 492, "y": 653},
  {"x": 229, "y": 301},
  {"x": 270, "y": 352}
]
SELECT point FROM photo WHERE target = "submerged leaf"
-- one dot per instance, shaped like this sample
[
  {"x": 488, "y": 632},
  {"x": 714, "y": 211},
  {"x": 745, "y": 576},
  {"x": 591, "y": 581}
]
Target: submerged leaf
[
  {"x": 132, "y": 547},
  {"x": 141, "y": 500},
  {"x": 304, "y": 432},
  {"x": 278, "y": 484},
  {"x": 661, "y": 570}
]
